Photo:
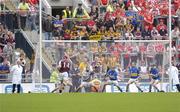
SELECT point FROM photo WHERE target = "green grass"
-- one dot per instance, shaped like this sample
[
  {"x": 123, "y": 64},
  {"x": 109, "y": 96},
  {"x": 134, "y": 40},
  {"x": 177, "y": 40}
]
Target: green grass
[{"x": 124, "y": 102}]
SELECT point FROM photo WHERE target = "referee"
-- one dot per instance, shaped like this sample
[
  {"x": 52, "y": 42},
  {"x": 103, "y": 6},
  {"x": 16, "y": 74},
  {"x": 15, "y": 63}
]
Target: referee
[{"x": 16, "y": 72}]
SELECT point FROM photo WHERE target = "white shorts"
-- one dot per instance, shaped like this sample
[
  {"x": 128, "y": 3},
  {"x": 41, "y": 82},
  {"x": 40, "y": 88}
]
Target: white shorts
[
  {"x": 131, "y": 80},
  {"x": 87, "y": 84},
  {"x": 112, "y": 82},
  {"x": 63, "y": 76}
]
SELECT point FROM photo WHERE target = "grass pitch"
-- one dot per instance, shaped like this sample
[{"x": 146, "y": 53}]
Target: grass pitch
[{"x": 92, "y": 102}]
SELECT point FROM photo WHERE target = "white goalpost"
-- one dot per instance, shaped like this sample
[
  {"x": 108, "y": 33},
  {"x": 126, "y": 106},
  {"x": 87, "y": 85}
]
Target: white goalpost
[{"x": 36, "y": 75}]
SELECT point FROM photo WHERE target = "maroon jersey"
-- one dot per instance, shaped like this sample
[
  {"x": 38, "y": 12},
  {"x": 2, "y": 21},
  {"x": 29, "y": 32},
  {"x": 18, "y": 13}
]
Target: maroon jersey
[{"x": 64, "y": 66}]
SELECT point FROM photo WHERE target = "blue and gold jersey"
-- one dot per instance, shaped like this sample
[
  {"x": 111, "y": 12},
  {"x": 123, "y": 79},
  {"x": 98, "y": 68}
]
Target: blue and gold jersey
[
  {"x": 155, "y": 73},
  {"x": 134, "y": 72},
  {"x": 113, "y": 74}
]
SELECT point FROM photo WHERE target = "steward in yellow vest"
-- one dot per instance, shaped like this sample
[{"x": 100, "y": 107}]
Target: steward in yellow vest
[{"x": 66, "y": 13}]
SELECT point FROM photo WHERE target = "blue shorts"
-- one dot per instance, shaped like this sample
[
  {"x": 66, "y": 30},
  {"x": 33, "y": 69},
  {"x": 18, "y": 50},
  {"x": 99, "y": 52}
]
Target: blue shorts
[{"x": 156, "y": 78}]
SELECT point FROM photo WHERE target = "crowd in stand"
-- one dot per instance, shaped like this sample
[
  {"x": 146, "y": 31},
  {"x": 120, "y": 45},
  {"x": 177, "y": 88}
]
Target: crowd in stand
[
  {"x": 119, "y": 20},
  {"x": 25, "y": 17},
  {"x": 28, "y": 12},
  {"x": 7, "y": 43}
]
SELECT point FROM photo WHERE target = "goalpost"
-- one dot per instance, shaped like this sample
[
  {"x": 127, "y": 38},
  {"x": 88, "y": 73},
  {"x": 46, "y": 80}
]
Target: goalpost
[{"x": 36, "y": 75}]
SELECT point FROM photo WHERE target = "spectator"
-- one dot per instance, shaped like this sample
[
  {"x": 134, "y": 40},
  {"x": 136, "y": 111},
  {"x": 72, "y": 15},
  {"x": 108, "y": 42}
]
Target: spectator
[
  {"x": 8, "y": 51},
  {"x": 129, "y": 35},
  {"x": 146, "y": 34},
  {"x": 137, "y": 34},
  {"x": 67, "y": 14},
  {"x": 48, "y": 28},
  {"x": 161, "y": 25},
  {"x": 109, "y": 23},
  {"x": 178, "y": 14},
  {"x": 2, "y": 40},
  {"x": 119, "y": 23},
  {"x": 155, "y": 34},
  {"x": 11, "y": 39},
  {"x": 129, "y": 26},
  {"x": 154, "y": 11},
  {"x": 175, "y": 33},
  {"x": 4, "y": 70},
  {"x": 80, "y": 12},
  {"x": 91, "y": 23},
  {"x": 121, "y": 3},
  {"x": 58, "y": 28},
  {"x": 102, "y": 32},
  {"x": 23, "y": 8},
  {"x": 163, "y": 33},
  {"x": 111, "y": 7},
  {"x": 93, "y": 33},
  {"x": 84, "y": 34},
  {"x": 32, "y": 18},
  {"x": 94, "y": 13}
]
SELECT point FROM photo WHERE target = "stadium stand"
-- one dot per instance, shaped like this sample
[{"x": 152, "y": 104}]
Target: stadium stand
[
  {"x": 121, "y": 21},
  {"x": 15, "y": 39}
]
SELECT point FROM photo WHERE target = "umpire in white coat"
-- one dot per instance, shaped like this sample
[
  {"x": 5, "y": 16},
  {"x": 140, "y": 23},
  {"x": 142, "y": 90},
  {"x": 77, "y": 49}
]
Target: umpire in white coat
[
  {"x": 173, "y": 76},
  {"x": 16, "y": 72}
]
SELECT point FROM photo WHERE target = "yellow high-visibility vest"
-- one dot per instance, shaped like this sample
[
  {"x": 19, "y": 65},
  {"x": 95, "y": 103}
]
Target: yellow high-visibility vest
[
  {"x": 65, "y": 14},
  {"x": 23, "y": 6}
]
